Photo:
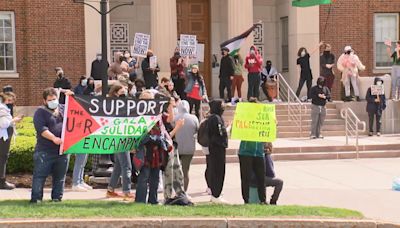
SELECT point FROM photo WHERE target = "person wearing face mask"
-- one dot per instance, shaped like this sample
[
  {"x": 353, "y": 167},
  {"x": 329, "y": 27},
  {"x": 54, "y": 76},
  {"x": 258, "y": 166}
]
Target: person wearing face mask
[
  {"x": 80, "y": 88},
  {"x": 7, "y": 125},
  {"x": 89, "y": 90},
  {"x": 395, "y": 56},
  {"x": 327, "y": 61},
  {"x": 178, "y": 76},
  {"x": 150, "y": 75},
  {"x": 218, "y": 142},
  {"x": 267, "y": 75},
  {"x": 376, "y": 104},
  {"x": 226, "y": 72},
  {"x": 48, "y": 122},
  {"x": 132, "y": 66},
  {"x": 253, "y": 64},
  {"x": 61, "y": 83},
  {"x": 349, "y": 64},
  {"x": 99, "y": 67},
  {"x": 303, "y": 63},
  {"x": 195, "y": 90},
  {"x": 115, "y": 68},
  {"x": 320, "y": 94},
  {"x": 237, "y": 78},
  {"x": 122, "y": 161}
]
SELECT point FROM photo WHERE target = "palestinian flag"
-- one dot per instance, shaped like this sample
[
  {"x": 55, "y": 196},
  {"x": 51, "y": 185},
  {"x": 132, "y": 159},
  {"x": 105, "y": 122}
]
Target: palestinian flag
[
  {"x": 235, "y": 43},
  {"x": 307, "y": 3},
  {"x": 97, "y": 125}
]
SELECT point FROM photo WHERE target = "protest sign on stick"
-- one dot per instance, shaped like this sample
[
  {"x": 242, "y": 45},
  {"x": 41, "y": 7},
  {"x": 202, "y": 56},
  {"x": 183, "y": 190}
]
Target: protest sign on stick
[
  {"x": 140, "y": 45},
  {"x": 153, "y": 62},
  {"x": 377, "y": 90},
  {"x": 188, "y": 45}
]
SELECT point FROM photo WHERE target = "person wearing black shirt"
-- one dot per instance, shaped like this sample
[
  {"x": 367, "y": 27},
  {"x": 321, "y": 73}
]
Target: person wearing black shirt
[
  {"x": 99, "y": 68},
  {"x": 226, "y": 71},
  {"x": 327, "y": 61},
  {"x": 62, "y": 82},
  {"x": 319, "y": 95}
]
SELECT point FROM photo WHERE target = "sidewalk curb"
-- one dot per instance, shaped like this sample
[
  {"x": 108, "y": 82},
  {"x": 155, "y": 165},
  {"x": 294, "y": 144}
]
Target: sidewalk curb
[{"x": 197, "y": 222}]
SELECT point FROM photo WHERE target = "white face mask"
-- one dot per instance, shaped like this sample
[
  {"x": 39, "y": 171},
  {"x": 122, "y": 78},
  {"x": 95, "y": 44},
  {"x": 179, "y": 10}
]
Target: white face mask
[
  {"x": 52, "y": 104},
  {"x": 127, "y": 56},
  {"x": 98, "y": 57},
  {"x": 303, "y": 53},
  {"x": 84, "y": 82},
  {"x": 379, "y": 83}
]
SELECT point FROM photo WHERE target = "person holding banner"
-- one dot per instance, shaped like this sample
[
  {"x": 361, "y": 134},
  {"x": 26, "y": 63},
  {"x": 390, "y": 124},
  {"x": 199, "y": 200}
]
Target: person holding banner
[
  {"x": 150, "y": 75},
  {"x": 376, "y": 104},
  {"x": 48, "y": 122},
  {"x": 395, "y": 68},
  {"x": 195, "y": 90},
  {"x": 320, "y": 94},
  {"x": 122, "y": 161}
]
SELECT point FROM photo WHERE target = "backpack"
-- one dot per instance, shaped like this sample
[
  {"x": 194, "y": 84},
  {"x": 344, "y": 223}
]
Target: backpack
[{"x": 203, "y": 134}]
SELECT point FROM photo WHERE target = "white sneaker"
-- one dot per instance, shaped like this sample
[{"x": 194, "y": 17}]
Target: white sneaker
[
  {"x": 88, "y": 187},
  {"x": 208, "y": 191},
  {"x": 79, "y": 188},
  {"x": 218, "y": 200}
]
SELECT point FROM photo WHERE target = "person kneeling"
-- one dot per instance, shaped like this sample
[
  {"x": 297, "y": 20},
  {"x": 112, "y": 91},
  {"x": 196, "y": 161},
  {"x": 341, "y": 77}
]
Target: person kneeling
[{"x": 270, "y": 179}]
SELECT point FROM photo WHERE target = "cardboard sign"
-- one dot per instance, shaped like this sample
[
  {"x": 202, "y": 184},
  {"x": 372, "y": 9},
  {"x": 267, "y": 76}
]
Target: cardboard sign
[
  {"x": 188, "y": 45},
  {"x": 254, "y": 122},
  {"x": 153, "y": 62},
  {"x": 98, "y": 125},
  {"x": 377, "y": 90},
  {"x": 141, "y": 45}
]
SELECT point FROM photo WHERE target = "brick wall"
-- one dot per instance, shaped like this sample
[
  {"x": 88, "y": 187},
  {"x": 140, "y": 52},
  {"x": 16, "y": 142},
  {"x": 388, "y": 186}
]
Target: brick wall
[
  {"x": 48, "y": 34},
  {"x": 352, "y": 23}
]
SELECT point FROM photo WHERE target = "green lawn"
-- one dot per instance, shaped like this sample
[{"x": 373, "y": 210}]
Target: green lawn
[{"x": 113, "y": 209}]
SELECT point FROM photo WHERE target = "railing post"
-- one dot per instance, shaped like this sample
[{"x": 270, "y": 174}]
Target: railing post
[
  {"x": 301, "y": 120},
  {"x": 357, "y": 140},
  {"x": 288, "y": 101},
  {"x": 346, "y": 127},
  {"x": 278, "y": 84}
]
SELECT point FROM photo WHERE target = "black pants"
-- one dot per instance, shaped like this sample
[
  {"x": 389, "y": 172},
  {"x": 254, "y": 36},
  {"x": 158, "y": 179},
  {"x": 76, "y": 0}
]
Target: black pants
[
  {"x": 301, "y": 84},
  {"x": 254, "y": 80},
  {"x": 196, "y": 104},
  {"x": 371, "y": 122},
  {"x": 225, "y": 83},
  {"x": 277, "y": 184},
  {"x": 5, "y": 152},
  {"x": 179, "y": 86},
  {"x": 216, "y": 169},
  {"x": 207, "y": 172},
  {"x": 248, "y": 166}
]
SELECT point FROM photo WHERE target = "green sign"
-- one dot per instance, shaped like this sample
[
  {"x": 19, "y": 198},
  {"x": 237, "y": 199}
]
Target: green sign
[{"x": 254, "y": 122}]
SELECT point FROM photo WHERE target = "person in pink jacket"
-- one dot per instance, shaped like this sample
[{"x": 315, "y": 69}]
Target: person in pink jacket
[{"x": 253, "y": 64}]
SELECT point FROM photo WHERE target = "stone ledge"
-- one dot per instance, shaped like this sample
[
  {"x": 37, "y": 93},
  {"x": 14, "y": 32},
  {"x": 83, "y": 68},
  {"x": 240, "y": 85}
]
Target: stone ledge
[{"x": 196, "y": 222}]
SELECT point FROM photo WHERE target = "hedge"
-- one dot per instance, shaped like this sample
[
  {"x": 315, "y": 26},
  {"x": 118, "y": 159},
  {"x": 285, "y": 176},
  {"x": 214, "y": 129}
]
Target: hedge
[{"x": 22, "y": 148}]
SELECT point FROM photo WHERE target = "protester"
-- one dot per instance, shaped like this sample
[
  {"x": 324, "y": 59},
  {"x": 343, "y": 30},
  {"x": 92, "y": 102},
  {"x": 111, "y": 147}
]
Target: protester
[
  {"x": 217, "y": 148},
  {"x": 251, "y": 158},
  {"x": 320, "y": 94},
  {"x": 226, "y": 71},
  {"x": 61, "y": 83},
  {"x": 268, "y": 74},
  {"x": 90, "y": 87},
  {"x": 178, "y": 75},
  {"x": 115, "y": 69},
  {"x": 186, "y": 138},
  {"x": 7, "y": 125},
  {"x": 170, "y": 91},
  {"x": 395, "y": 69},
  {"x": 78, "y": 184},
  {"x": 133, "y": 64},
  {"x": 48, "y": 122},
  {"x": 150, "y": 74},
  {"x": 237, "y": 78},
  {"x": 270, "y": 179},
  {"x": 253, "y": 64},
  {"x": 349, "y": 64},
  {"x": 122, "y": 161},
  {"x": 303, "y": 61},
  {"x": 99, "y": 68},
  {"x": 327, "y": 61},
  {"x": 140, "y": 86},
  {"x": 376, "y": 104},
  {"x": 195, "y": 90}
]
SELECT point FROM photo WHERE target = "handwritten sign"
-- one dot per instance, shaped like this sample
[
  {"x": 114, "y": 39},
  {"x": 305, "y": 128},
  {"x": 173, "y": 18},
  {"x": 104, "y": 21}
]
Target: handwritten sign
[
  {"x": 377, "y": 90},
  {"x": 153, "y": 62},
  {"x": 188, "y": 45},
  {"x": 140, "y": 45},
  {"x": 254, "y": 122}
]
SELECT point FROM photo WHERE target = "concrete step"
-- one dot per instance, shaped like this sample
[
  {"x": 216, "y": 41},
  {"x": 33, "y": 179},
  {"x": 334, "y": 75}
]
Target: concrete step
[
  {"x": 331, "y": 127},
  {"x": 308, "y": 122},
  {"x": 308, "y": 117},
  {"x": 306, "y": 111},
  {"x": 339, "y": 148},
  {"x": 307, "y": 134}
]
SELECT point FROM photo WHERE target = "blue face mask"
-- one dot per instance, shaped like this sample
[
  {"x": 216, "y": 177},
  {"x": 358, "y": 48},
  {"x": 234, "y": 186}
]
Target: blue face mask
[
  {"x": 84, "y": 82},
  {"x": 52, "y": 104}
]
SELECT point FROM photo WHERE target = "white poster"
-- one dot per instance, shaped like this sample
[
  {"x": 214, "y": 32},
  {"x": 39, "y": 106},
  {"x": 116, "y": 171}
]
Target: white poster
[
  {"x": 188, "y": 45},
  {"x": 377, "y": 90},
  {"x": 141, "y": 45},
  {"x": 153, "y": 62}
]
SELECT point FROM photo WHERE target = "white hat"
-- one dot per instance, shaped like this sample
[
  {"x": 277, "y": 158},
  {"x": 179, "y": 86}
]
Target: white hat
[{"x": 347, "y": 48}]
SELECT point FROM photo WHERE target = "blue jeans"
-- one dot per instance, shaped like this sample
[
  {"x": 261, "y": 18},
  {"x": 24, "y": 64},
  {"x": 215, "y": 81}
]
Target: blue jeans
[
  {"x": 150, "y": 177},
  {"x": 46, "y": 163},
  {"x": 122, "y": 167},
  {"x": 79, "y": 169}
]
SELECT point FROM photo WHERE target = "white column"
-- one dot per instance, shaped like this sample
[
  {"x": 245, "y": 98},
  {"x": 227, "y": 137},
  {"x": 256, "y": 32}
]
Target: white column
[
  {"x": 240, "y": 18},
  {"x": 163, "y": 32}
]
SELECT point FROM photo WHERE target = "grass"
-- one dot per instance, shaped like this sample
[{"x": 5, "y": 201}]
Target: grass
[{"x": 113, "y": 209}]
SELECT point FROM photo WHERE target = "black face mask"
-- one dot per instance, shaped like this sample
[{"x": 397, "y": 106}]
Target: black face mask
[
  {"x": 327, "y": 52},
  {"x": 10, "y": 106},
  {"x": 223, "y": 53},
  {"x": 122, "y": 96},
  {"x": 348, "y": 52}
]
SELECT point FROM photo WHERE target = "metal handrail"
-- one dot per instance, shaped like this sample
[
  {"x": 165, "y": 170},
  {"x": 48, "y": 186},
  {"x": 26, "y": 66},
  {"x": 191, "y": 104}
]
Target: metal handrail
[
  {"x": 352, "y": 123},
  {"x": 294, "y": 105}
]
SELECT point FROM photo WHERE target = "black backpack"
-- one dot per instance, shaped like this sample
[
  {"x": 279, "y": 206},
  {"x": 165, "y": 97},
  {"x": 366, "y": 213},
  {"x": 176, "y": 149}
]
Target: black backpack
[{"x": 203, "y": 134}]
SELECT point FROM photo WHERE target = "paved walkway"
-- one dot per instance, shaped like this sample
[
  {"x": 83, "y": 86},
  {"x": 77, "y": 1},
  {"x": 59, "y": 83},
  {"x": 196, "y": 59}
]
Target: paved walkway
[{"x": 363, "y": 185}]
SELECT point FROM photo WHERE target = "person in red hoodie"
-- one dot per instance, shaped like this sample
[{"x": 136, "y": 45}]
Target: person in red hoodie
[{"x": 253, "y": 64}]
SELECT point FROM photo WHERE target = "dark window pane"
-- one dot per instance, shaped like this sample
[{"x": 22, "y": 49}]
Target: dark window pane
[
  {"x": 2, "y": 48},
  {"x": 1, "y": 34},
  {"x": 9, "y": 64},
  {"x": 9, "y": 50},
  {"x": 7, "y": 23},
  {"x": 1, "y": 23},
  {"x": 2, "y": 64},
  {"x": 8, "y": 34}
]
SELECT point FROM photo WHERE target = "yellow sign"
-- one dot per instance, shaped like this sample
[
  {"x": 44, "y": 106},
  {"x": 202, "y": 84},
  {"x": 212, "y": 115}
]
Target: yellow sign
[{"x": 254, "y": 122}]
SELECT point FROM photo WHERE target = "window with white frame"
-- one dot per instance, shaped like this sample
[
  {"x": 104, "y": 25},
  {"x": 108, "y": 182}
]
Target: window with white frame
[
  {"x": 285, "y": 43},
  {"x": 7, "y": 42},
  {"x": 386, "y": 27}
]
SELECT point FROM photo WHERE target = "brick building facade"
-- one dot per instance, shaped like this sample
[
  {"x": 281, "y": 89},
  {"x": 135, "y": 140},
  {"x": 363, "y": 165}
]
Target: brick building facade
[
  {"x": 47, "y": 34},
  {"x": 353, "y": 23}
]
